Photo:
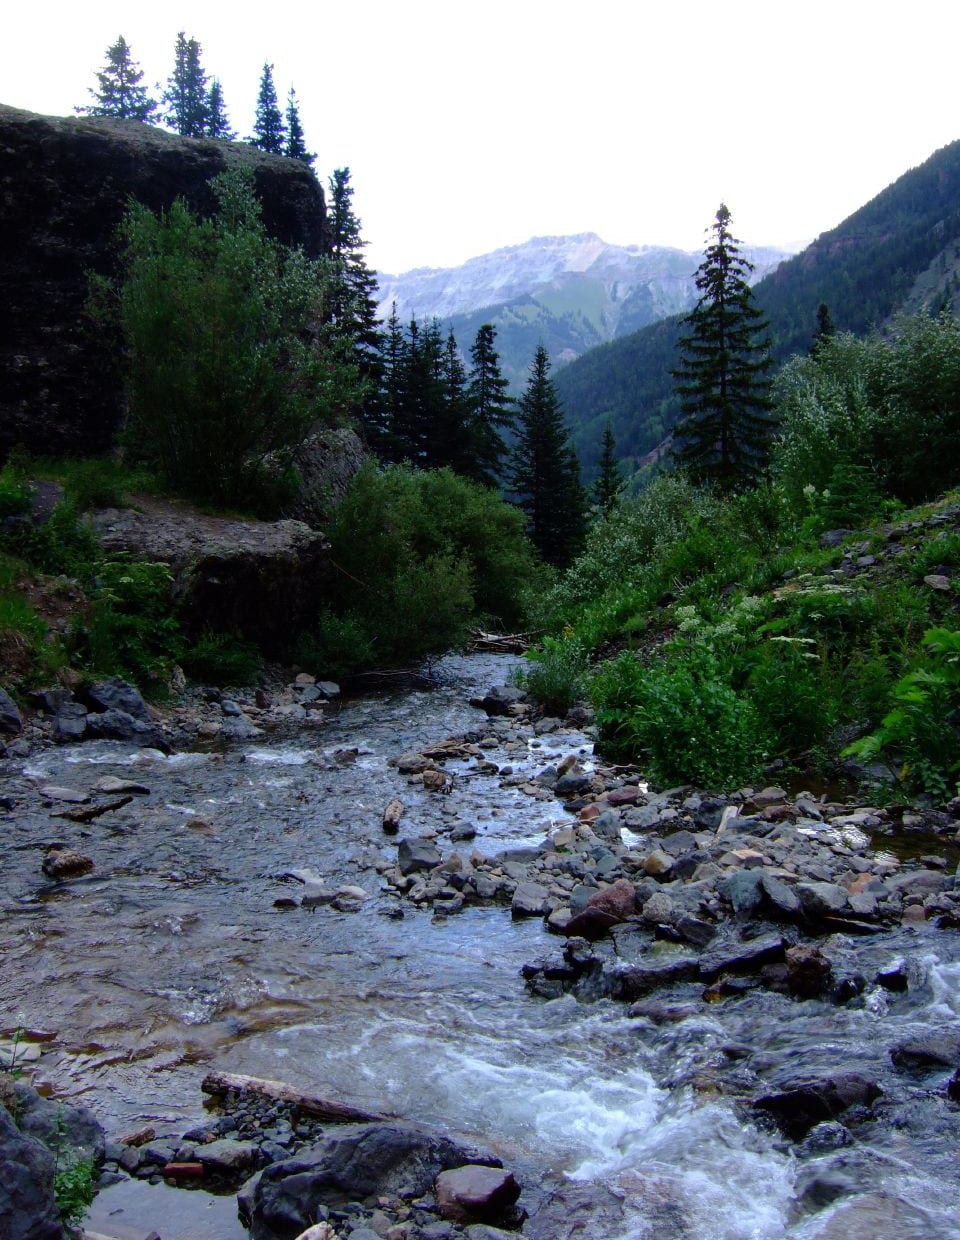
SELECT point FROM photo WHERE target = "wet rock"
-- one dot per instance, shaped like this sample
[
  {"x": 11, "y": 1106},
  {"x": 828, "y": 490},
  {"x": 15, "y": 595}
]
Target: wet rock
[
  {"x": 742, "y": 889},
  {"x": 894, "y": 977},
  {"x": 73, "y": 796},
  {"x": 809, "y": 972},
  {"x": 530, "y": 900},
  {"x": 116, "y": 694},
  {"x": 618, "y": 900},
  {"x": 746, "y": 956},
  {"x": 660, "y": 909},
  {"x": 803, "y": 1103},
  {"x": 575, "y": 1212},
  {"x": 824, "y": 1138},
  {"x": 497, "y": 701},
  {"x": 779, "y": 897},
  {"x": 57, "y": 1123},
  {"x": 227, "y": 1159},
  {"x": 28, "y": 1210},
  {"x": 928, "y": 1052},
  {"x": 70, "y": 722},
  {"x": 878, "y": 1216},
  {"x": 822, "y": 899},
  {"x": 62, "y": 863},
  {"x": 119, "y": 725},
  {"x": 476, "y": 1192},
  {"x": 392, "y": 815},
  {"x": 628, "y": 795},
  {"x": 637, "y": 980},
  {"x": 352, "y": 1163},
  {"x": 416, "y": 855},
  {"x": 11, "y": 724},
  {"x": 590, "y": 924},
  {"x": 658, "y": 864}
]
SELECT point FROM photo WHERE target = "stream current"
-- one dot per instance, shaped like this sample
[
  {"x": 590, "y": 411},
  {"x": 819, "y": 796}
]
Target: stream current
[{"x": 171, "y": 958}]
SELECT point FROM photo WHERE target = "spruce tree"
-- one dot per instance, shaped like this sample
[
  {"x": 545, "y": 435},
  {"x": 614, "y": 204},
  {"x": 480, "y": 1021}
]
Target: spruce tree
[
  {"x": 609, "y": 482},
  {"x": 119, "y": 92},
  {"x": 492, "y": 410},
  {"x": 268, "y": 130},
  {"x": 186, "y": 94},
  {"x": 823, "y": 330},
  {"x": 545, "y": 474},
  {"x": 296, "y": 147},
  {"x": 218, "y": 123},
  {"x": 725, "y": 428}
]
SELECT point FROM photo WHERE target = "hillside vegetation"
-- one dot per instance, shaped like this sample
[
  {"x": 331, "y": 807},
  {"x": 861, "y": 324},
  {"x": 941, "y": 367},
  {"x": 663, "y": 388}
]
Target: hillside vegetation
[
  {"x": 898, "y": 251},
  {"x": 810, "y": 621}
]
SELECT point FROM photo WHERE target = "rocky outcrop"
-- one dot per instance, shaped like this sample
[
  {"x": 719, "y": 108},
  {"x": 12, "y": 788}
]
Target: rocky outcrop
[
  {"x": 328, "y": 461},
  {"x": 64, "y": 184},
  {"x": 262, "y": 579}
]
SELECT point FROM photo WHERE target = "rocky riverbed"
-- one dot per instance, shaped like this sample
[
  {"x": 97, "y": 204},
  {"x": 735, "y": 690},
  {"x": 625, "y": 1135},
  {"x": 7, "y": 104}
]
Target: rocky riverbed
[{"x": 657, "y": 1013}]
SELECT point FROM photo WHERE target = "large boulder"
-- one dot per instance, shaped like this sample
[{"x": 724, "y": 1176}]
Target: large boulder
[
  {"x": 328, "y": 462},
  {"x": 263, "y": 579},
  {"x": 57, "y": 1124},
  {"x": 64, "y": 184},
  {"x": 355, "y": 1162},
  {"x": 28, "y": 1210}
]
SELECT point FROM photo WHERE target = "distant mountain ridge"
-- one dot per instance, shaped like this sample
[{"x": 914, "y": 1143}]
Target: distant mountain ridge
[
  {"x": 571, "y": 293},
  {"x": 901, "y": 251}
]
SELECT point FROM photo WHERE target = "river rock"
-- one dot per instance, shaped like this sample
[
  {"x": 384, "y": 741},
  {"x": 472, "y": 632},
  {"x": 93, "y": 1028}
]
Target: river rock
[
  {"x": 822, "y": 899},
  {"x": 392, "y": 815},
  {"x": 530, "y": 900},
  {"x": 779, "y": 896},
  {"x": 227, "y": 1159},
  {"x": 618, "y": 900},
  {"x": 809, "y": 972},
  {"x": 878, "y": 1216},
  {"x": 56, "y": 792},
  {"x": 57, "y": 1123},
  {"x": 576, "y": 1212},
  {"x": 119, "y": 725},
  {"x": 350, "y": 1164},
  {"x": 62, "y": 863},
  {"x": 28, "y": 1210},
  {"x": 746, "y": 956},
  {"x": 802, "y": 1103},
  {"x": 498, "y": 700},
  {"x": 115, "y": 784},
  {"x": 590, "y": 923},
  {"x": 928, "y": 1052},
  {"x": 476, "y": 1192},
  {"x": 415, "y": 855},
  {"x": 70, "y": 722},
  {"x": 11, "y": 724},
  {"x": 117, "y": 694}
]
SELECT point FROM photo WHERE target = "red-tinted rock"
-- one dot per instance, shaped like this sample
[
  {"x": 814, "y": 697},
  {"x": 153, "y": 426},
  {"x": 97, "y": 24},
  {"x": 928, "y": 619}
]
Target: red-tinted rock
[
  {"x": 476, "y": 1192},
  {"x": 618, "y": 900}
]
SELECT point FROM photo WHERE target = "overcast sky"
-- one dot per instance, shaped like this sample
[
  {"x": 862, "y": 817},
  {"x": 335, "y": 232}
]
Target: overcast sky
[{"x": 472, "y": 126}]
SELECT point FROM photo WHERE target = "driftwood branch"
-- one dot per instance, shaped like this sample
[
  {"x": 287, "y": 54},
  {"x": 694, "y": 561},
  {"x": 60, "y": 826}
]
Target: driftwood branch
[
  {"x": 94, "y": 811},
  {"x": 220, "y": 1083},
  {"x": 499, "y": 643}
]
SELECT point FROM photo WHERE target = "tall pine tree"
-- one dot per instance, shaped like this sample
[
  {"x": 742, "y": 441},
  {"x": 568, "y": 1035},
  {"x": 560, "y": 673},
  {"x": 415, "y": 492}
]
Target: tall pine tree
[
  {"x": 296, "y": 147},
  {"x": 492, "y": 410},
  {"x": 186, "y": 96},
  {"x": 119, "y": 92},
  {"x": 268, "y": 129},
  {"x": 609, "y": 481},
  {"x": 545, "y": 473},
  {"x": 724, "y": 432},
  {"x": 218, "y": 122}
]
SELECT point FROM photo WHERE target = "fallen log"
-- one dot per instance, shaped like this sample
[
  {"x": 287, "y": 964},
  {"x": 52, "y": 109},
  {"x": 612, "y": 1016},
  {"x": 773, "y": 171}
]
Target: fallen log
[
  {"x": 217, "y": 1084},
  {"x": 499, "y": 643},
  {"x": 88, "y": 815}
]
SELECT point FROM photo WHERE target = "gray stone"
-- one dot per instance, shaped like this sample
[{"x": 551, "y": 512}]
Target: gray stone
[
  {"x": 227, "y": 1158},
  {"x": 119, "y": 725},
  {"x": 415, "y": 855},
  {"x": 822, "y": 899},
  {"x": 802, "y": 1103},
  {"x": 70, "y": 722},
  {"x": 349, "y": 1164},
  {"x": 28, "y": 1210},
  {"x": 11, "y": 723},
  {"x": 928, "y": 1052},
  {"x": 742, "y": 890},
  {"x": 116, "y": 694},
  {"x": 747, "y": 956},
  {"x": 530, "y": 900},
  {"x": 780, "y": 896},
  {"x": 476, "y": 1192},
  {"x": 575, "y": 1212},
  {"x": 56, "y": 1122}
]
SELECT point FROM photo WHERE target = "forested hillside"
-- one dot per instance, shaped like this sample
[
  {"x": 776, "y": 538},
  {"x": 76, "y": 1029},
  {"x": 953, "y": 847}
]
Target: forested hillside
[{"x": 900, "y": 251}]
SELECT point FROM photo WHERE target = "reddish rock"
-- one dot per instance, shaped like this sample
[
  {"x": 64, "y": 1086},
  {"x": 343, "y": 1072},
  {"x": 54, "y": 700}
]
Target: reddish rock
[
  {"x": 65, "y": 863},
  {"x": 475, "y": 1192},
  {"x": 619, "y": 900},
  {"x": 809, "y": 972},
  {"x": 623, "y": 796},
  {"x": 591, "y": 924}
]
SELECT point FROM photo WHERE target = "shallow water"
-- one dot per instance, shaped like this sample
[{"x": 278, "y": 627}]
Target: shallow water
[{"x": 171, "y": 958}]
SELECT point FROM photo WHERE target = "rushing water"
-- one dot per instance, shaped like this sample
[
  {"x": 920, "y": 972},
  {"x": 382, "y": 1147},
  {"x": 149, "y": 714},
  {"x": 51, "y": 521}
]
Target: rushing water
[{"x": 172, "y": 957}]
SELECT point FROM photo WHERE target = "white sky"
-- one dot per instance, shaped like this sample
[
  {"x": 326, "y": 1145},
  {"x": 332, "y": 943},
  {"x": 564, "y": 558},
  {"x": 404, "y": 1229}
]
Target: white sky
[{"x": 469, "y": 126}]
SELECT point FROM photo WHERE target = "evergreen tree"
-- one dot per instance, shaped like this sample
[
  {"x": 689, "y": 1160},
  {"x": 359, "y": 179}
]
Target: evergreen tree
[
  {"x": 268, "y": 131},
  {"x": 218, "y": 123},
  {"x": 385, "y": 413},
  {"x": 724, "y": 431},
  {"x": 823, "y": 330},
  {"x": 609, "y": 483},
  {"x": 186, "y": 94},
  {"x": 119, "y": 92},
  {"x": 452, "y": 438},
  {"x": 491, "y": 409},
  {"x": 296, "y": 147},
  {"x": 545, "y": 473}
]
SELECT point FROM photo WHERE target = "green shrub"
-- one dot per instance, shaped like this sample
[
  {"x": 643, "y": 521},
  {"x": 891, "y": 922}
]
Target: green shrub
[
  {"x": 96, "y": 483},
  {"x": 337, "y": 646},
  {"x": 558, "y": 677},
  {"x": 922, "y": 730},
  {"x": 74, "y": 1188},
  {"x": 222, "y": 659},
  {"x": 791, "y": 696},
  {"x": 130, "y": 631},
  {"x": 228, "y": 366},
  {"x": 15, "y": 495},
  {"x": 679, "y": 717}
]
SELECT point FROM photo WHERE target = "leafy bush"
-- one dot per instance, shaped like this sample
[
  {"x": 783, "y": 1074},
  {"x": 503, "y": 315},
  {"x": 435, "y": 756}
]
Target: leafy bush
[
  {"x": 97, "y": 483},
  {"x": 680, "y": 717},
  {"x": 229, "y": 366},
  {"x": 74, "y": 1188},
  {"x": 337, "y": 646},
  {"x": 922, "y": 731},
  {"x": 65, "y": 543},
  {"x": 222, "y": 659},
  {"x": 421, "y": 555},
  {"x": 557, "y": 679},
  {"x": 15, "y": 495},
  {"x": 130, "y": 631}
]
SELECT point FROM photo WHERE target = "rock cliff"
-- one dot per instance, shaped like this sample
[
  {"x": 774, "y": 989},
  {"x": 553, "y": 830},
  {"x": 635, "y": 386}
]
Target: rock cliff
[{"x": 63, "y": 187}]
